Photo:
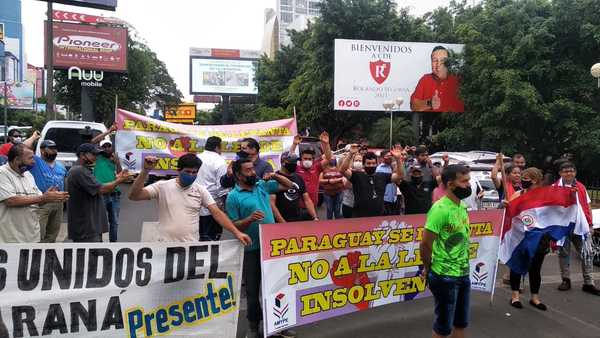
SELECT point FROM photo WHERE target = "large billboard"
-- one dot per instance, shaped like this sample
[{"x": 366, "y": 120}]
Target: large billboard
[
  {"x": 110, "y": 5},
  {"x": 222, "y": 72},
  {"x": 89, "y": 47},
  {"x": 368, "y": 73},
  {"x": 20, "y": 95}
]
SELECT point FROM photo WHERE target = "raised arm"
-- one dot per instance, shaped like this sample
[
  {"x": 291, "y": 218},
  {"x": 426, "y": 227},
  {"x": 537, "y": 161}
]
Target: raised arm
[
  {"x": 32, "y": 139},
  {"x": 399, "y": 154},
  {"x": 324, "y": 137},
  {"x": 348, "y": 160},
  {"x": 498, "y": 166},
  {"x": 137, "y": 191},
  {"x": 101, "y": 136},
  {"x": 284, "y": 182},
  {"x": 295, "y": 143}
]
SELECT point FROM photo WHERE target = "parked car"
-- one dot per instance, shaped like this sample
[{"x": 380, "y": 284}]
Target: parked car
[{"x": 68, "y": 135}]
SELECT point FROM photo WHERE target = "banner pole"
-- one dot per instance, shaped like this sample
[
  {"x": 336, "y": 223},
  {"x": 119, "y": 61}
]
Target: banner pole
[
  {"x": 116, "y": 107},
  {"x": 497, "y": 258}
]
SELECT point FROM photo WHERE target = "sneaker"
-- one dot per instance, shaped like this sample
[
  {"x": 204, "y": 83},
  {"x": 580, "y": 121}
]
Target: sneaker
[
  {"x": 566, "y": 285},
  {"x": 590, "y": 288}
]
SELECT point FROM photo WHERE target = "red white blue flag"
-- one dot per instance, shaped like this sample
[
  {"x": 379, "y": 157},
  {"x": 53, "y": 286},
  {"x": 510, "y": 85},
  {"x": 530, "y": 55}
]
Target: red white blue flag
[{"x": 550, "y": 210}]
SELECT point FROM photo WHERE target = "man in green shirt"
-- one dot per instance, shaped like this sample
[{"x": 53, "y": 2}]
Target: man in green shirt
[
  {"x": 445, "y": 254},
  {"x": 106, "y": 170}
]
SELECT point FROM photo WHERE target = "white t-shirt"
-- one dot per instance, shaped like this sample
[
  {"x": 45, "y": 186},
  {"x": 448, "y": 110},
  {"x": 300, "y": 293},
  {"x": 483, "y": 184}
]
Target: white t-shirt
[
  {"x": 213, "y": 167},
  {"x": 18, "y": 224},
  {"x": 179, "y": 210}
]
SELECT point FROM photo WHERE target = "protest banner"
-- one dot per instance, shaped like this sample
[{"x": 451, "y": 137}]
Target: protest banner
[
  {"x": 120, "y": 289},
  {"x": 140, "y": 136},
  {"x": 312, "y": 271}
]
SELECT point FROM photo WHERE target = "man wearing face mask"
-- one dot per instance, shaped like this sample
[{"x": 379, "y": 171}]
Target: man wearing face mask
[
  {"x": 180, "y": 200},
  {"x": 445, "y": 254},
  {"x": 248, "y": 205},
  {"x": 390, "y": 199},
  {"x": 429, "y": 171},
  {"x": 49, "y": 173},
  {"x": 369, "y": 186},
  {"x": 212, "y": 169},
  {"x": 249, "y": 148},
  {"x": 287, "y": 202},
  {"x": 86, "y": 211},
  {"x": 15, "y": 137},
  {"x": 417, "y": 193},
  {"x": 310, "y": 168},
  {"x": 108, "y": 166},
  {"x": 19, "y": 198}
]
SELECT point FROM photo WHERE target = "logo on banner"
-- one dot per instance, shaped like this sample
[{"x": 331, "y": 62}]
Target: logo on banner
[
  {"x": 380, "y": 70},
  {"x": 280, "y": 309},
  {"x": 129, "y": 161},
  {"x": 480, "y": 275},
  {"x": 528, "y": 221}
]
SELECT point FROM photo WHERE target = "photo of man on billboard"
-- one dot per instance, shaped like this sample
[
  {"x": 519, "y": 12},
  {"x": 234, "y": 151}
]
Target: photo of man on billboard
[{"x": 438, "y": 90}]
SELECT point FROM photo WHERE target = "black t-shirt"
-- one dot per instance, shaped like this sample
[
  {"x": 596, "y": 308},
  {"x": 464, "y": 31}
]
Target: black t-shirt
[
  {"x": 368, "y": 193},
  {"x": 288, "y": 202},
  {"x": 417, "y": 199},
  {"x": 86, "y": 214}
]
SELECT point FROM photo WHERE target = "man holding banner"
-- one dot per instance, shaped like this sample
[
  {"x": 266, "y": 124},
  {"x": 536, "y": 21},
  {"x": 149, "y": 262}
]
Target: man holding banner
[
  {"x": 445, "y": 254},
  {"x": 180, "y": 201},
  {"x": 249, "y": 205}
]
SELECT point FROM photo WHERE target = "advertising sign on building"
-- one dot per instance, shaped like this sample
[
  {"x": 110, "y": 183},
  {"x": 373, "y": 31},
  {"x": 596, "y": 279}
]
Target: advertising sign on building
[
  {"x": 368, "y": 73},
  {"x": 20, "y": 95},
  {"x": 110, "y": 5},
  {"x": 222, "y": 71},
  {"x": 184, "y": 113},
  {"x": 89, "y": 47}
]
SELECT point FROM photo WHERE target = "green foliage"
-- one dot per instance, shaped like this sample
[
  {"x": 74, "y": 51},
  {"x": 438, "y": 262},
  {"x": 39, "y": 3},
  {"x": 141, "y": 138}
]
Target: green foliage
[
  {"x": 147, "y": 81},
  {"x": 525, "y": 72},
  {"x": 402, "y": 132}
]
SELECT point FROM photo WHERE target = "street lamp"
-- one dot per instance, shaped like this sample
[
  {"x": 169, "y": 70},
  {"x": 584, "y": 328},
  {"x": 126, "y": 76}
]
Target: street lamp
[
  {"x": 596, "y": 72},
  {"x": 389, "y": 107}
]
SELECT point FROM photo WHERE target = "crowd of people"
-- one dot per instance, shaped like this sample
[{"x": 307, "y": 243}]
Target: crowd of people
[{"x": 209, "y": 194}]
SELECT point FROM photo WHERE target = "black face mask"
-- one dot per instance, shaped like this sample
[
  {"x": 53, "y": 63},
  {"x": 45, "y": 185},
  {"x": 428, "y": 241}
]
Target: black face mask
[
  {"x": 526, "y": 184},
  {"x": 370, "y": 170},
  {"x": 50, "y": 157},
  {"x": 290, "y": 167},
  {"x": 417, "y": 180},
  {"x": 462, "y": 193},
  {"x": 242, "y": 154},
  {"x": 250, "y": 180}
]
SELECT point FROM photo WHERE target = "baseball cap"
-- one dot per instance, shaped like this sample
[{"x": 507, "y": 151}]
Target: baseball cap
[
  {"x": 289, "y": 157},
  {"x": 48, "y": 144},
  {"x": 414, "y": 168},
  {"x": 103, "y": 142},
  {"x": 88, "y": 148}
]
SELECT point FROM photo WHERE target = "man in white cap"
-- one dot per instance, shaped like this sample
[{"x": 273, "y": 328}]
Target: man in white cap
[{"x": 106, "y": 170}]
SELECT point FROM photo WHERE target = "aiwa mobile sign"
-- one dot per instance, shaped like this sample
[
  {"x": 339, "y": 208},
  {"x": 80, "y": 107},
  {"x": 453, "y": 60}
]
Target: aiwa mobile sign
[{"x": 367, "y": 73}]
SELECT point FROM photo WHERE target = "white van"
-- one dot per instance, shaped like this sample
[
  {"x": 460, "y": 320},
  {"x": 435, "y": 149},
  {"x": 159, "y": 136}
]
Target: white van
[{"x": 68, "y": 135}]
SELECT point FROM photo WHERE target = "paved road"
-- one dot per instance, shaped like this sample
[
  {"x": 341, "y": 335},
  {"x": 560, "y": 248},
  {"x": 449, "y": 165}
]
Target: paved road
[{"x": 571, "y": 314}]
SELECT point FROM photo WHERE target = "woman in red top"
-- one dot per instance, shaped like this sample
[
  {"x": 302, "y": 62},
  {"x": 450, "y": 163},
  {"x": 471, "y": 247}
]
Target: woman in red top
[{"x": 332, "y": 182}]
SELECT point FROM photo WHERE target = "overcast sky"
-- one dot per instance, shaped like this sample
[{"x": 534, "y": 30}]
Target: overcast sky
[{"x": 171, "y": 27}]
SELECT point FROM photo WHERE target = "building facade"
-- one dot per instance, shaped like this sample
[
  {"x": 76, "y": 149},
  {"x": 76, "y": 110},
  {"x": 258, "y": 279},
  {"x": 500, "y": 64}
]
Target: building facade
[
  {"x": 295, "y": 14},
  {"x": 13, "y": 54}
]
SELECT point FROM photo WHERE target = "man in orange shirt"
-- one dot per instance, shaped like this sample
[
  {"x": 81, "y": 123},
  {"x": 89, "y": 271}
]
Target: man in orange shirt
[{"x": 437, "y": 91}]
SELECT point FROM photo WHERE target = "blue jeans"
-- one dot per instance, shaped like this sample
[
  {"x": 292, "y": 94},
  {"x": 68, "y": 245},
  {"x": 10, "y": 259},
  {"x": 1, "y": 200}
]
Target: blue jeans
[
  {"x": 452, "y": 296},
  {"x": 112, "y": 202},
  {"x": 334, "y": 206}
]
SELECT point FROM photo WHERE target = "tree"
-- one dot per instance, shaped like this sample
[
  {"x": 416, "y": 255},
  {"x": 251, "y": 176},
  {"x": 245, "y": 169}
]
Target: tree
[
  {"x": 402, "y": 132},
  {"x": 147, "y": 81}
]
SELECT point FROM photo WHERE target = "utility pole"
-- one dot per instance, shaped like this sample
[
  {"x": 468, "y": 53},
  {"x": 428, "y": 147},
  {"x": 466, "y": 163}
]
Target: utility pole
[{"x": 50, "y": 65}]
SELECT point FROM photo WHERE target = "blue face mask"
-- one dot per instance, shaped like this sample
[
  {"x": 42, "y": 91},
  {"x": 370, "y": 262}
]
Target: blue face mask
[
  {"x": 23, "y": 168},
  {"x": 186, "y": 179}
]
